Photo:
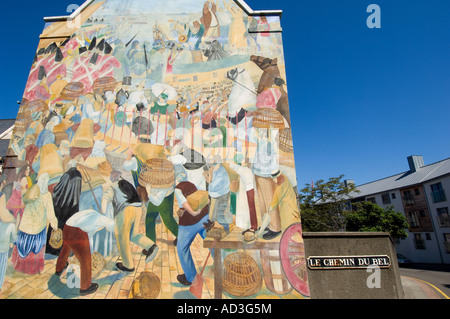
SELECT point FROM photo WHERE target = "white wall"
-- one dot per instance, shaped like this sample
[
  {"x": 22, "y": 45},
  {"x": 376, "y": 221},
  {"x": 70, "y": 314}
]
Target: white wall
[
  {"x": 439, "y": 230},
  {"x": 431, "y": 253}
]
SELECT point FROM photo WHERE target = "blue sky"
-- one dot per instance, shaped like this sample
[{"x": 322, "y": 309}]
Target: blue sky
[{"x": 361, "y": 99}]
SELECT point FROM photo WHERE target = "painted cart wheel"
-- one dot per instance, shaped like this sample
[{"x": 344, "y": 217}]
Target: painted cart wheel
[{"x": 292, "y": 255}]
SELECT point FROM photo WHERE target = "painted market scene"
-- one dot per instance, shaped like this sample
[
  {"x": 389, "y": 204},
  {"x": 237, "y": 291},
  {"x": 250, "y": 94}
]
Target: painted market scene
[{"x": 152, "y": 158}]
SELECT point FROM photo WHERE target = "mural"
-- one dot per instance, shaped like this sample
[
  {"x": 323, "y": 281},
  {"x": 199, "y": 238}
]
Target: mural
[{"x": 152, "y": 156}]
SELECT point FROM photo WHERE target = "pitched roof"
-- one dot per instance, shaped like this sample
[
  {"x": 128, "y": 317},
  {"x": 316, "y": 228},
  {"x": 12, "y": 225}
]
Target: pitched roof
[
  {"x": 6, "y": 127},
  {"x": 409, "y": 178}
]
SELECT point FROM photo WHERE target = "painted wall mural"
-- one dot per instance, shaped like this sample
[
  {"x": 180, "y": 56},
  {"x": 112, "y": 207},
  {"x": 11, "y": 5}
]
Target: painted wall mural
[{"x": 152, "y": 158}]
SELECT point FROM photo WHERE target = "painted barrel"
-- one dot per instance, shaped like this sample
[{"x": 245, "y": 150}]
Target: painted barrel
[{"x": 274, "y": 277}]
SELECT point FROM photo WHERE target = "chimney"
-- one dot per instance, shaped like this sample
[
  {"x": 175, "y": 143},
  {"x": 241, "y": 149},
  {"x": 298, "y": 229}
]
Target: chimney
[
  {"x": 348, "y": 182},
  {"x": 415, "y": 162}
]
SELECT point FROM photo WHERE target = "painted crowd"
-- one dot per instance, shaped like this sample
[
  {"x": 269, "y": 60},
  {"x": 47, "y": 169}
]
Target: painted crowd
[{"x": 182, "y": 120}]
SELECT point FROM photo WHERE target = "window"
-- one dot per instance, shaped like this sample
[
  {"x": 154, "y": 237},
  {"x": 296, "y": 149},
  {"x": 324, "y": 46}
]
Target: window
[
  {"x": 385, "y": 198},
  {"x": 427, "y": 236},
  {"x": 443, "y": 218},
  {"x": 372, "y": 200},
  {"x": 393, "y": 195},
  {"x": 437, "y": 193},
  {"x": 447, "y": 243},
  {"x": 408, "y": 198},
  {"x": 419, "y": 243},
  {"x": 413, "y": 220},
  {"x": 416, "y": 191}
]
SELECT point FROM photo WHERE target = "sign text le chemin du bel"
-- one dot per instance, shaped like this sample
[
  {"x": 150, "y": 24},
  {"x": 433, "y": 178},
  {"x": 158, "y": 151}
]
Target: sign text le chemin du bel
[{"x": 345, "y": 262}]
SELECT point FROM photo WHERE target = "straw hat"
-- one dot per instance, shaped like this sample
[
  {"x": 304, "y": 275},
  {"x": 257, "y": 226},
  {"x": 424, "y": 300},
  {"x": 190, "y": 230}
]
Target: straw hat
[
  {"x": 146, "y": 151},
  {"x": 158, "y": 173}
]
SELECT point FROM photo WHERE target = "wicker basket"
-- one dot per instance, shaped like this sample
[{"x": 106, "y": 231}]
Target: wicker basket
[
  {"x": 157, "y": 172},
  {"x": 56, "y": 238},
  {"x": 146, "y": 286},
  {"x": 10, "y": 174},
  {"x": 274, "y": 276},
  {"x": 72, "y": 91},
  {"x": 36, "y": 106},
  {"x": 101, "y": 85},
  {"x": 21, "y": 124},
  {"x": 285, "y": 141},
  {"x": 242, "y": 277},
  {"x": 268, "y": 118},
  {"x": 98, "y": 262},
  {"x": 10, "y": 161}
]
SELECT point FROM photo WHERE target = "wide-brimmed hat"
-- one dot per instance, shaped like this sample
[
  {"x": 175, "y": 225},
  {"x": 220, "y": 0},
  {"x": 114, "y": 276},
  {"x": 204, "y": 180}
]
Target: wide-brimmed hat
[
  {"x": 194, "y": 159},
  {"x": 146, "y": 151},
  {"x": 275, "y": 173}
]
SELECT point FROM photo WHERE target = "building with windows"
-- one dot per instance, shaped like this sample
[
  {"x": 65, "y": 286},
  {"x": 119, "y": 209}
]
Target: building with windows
[{"x": 422, "y": 194}]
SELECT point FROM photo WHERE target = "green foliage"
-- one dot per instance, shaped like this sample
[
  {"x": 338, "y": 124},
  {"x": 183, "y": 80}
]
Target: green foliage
[
  {"x": 322, "y": 205},
  {"x": 370, "y": 217}
]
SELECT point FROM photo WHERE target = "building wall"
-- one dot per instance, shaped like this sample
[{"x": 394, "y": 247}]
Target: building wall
[
  {"x": 421, "y": 245},
  {"x": 163, "y": 56},
  {"x": 441, "y": 225}
]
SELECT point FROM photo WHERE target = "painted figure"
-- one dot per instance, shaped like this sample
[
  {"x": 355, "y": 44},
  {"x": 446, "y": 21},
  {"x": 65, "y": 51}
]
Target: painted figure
[
  {"x": 29, "y": 250},
  {"x": 127, "y": 215},
  {"x": 148, "y": 113},
  {"x": 76, "y": 233}
]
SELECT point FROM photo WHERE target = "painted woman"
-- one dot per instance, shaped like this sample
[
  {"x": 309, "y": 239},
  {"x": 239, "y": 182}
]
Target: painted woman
[
  {"x": 21, "y": 184},
  {"x": 8, "y": 235},
  {"x": 237, "y": 32},
  {"x": 29, "y": 251}
]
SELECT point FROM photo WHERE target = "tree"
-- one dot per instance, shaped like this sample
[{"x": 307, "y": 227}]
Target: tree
[
  {"x": 370, "y": 217},
  {"x": 322, "y": 205}
]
